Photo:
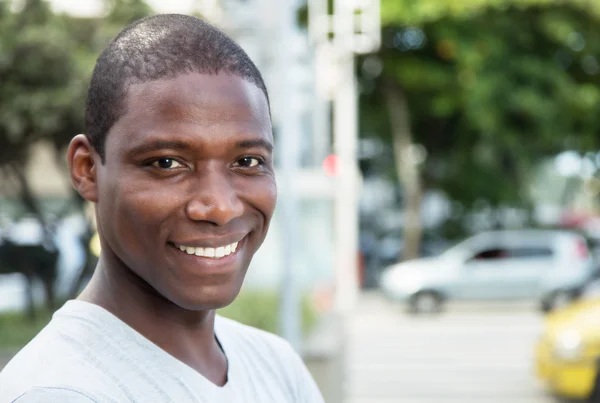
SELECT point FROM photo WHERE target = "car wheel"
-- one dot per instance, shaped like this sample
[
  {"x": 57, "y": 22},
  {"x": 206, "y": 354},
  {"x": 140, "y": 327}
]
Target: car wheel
[
  {"x": 558, "y": 299},
  {"x": 426, "y": 302}
]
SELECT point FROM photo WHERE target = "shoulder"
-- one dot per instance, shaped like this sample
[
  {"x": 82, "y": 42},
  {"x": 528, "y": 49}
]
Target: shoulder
[
  {"x": 43, "y": 372},
  {"x": 52, "y": 394},
  {"x": 60, "y": 360}
]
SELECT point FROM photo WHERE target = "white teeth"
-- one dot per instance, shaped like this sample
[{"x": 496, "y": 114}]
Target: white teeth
[{"x": 217, "y": 253}]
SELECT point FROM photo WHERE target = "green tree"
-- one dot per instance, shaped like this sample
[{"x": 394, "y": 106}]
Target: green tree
[
  {"x": 45, "y": 64},
  {"x": 489, "y": 88},
  {"x": 41, "y": 86}
]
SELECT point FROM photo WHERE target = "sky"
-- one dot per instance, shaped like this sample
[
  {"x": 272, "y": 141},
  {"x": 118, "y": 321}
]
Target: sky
[{"x": 94, "y": 7}]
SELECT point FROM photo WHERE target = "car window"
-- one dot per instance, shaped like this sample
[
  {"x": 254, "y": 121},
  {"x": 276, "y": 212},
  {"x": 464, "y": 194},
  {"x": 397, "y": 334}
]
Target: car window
[
  {"x": 491, "y": 254},
  {"x": 530, "y": 251},
  {"x": 512, "y": 253}
]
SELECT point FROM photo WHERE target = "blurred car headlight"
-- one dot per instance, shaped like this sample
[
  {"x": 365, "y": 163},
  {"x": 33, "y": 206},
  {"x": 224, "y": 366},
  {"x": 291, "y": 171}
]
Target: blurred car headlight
[
  {"x": 401, "y": 281},
  {"x": 568, "y": 346}
]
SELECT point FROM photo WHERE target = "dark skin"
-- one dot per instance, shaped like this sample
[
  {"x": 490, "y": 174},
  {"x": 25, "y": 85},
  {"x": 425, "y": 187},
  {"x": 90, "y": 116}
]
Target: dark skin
[{"x": 189, "y": 164}]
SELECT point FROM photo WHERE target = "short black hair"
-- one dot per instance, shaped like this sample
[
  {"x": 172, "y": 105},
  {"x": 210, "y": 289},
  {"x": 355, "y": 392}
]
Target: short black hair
[{"x": 153, "y": 48}]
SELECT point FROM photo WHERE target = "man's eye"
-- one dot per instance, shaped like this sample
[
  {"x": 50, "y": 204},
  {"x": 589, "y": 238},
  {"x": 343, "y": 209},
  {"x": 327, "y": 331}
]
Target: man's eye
[
  {"x": 166, "y": 163},
  {"x": 248, "y": 162}
]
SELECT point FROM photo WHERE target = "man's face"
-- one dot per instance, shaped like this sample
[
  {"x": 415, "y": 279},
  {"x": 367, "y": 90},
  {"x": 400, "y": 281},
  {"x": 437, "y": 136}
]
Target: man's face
[{"x": 187, "y": 190}]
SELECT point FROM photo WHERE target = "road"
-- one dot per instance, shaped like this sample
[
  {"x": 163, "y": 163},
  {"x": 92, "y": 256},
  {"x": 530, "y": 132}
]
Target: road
[{"x": 465, "y": 355}]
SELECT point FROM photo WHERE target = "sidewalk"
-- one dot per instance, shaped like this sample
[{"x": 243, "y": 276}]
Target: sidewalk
[{"x": 323, "y": 354}]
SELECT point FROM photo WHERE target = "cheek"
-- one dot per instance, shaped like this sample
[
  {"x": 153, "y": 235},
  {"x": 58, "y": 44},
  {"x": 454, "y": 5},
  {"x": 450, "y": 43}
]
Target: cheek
[
  {"x": 148, "y": 209},
  {"x": 273, "y": 198},
  {"x": 140, "y": 208},
  {"x": 264, "y": 198}
]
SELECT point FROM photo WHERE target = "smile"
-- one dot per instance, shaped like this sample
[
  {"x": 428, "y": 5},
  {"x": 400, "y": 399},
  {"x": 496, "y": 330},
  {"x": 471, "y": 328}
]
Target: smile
[{"x": 214, "y": 253}]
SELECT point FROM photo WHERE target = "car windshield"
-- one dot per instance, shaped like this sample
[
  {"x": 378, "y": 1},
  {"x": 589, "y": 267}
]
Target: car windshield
[{"x": 455, "y": 251}]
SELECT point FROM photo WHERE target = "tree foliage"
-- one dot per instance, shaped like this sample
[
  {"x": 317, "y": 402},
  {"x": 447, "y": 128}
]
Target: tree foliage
[
  {"x": 40, "y": 80},
  {"x": 42, "y": 87},
  {"x": 46, "y": 61},
  {"x": 493, "y": 86}
]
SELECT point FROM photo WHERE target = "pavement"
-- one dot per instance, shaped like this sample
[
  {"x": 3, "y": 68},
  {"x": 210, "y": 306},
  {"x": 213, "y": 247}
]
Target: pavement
[{"x": 471, "y": 353}]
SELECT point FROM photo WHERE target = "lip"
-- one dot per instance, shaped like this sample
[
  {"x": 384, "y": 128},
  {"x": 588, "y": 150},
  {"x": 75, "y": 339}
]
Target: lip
[
  {"x": 207, "y": 265},
  {"x": 212, "y": 242}
]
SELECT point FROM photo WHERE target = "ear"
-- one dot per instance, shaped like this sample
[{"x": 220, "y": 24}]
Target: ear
[{"x": 82, "y": 166}]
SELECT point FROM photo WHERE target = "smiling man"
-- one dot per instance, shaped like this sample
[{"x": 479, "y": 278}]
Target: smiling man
[{"x": 177, "y": 158}]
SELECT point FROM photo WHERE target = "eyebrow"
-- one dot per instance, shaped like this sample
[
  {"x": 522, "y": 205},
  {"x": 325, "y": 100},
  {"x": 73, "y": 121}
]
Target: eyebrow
[
  {"x": 159, "y": 145},
  {"x": 181, "y": 145},
  {"x": 262, "y": 143}
]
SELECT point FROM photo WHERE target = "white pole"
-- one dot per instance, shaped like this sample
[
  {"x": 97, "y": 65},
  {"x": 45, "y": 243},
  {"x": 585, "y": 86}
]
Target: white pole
[
  {"x": 353, "y": 27},
  {"x": 321, "y": 129},
  {"x": 288, "y": 126},
  {"x": 345, "y": 146}
]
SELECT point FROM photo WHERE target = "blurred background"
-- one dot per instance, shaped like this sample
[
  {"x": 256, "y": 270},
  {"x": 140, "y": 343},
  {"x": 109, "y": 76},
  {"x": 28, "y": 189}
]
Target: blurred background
[{"x": 438, "y": 228}]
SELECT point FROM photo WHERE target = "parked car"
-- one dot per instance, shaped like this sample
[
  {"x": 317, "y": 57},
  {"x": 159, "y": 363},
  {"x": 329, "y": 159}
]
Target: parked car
[
  {"x": 549, "y": 265},
  {"x": 568, "y": 352},
  {"x": 388, "y": 249}
]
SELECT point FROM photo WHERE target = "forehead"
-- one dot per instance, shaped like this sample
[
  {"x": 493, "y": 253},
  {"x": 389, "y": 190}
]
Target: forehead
[{"x": 197, "y": 103}]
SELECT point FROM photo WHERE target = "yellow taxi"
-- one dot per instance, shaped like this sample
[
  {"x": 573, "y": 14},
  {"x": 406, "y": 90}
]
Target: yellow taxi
[
  {"x": 95, "y": 244},
  {"x": 568, "y": 352}
]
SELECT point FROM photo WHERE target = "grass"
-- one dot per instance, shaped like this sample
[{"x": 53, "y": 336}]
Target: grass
[
  {"x": 261, "y": 310},
  {"x": 253, "y": 308},
  {"x": 16, "y": 329}
]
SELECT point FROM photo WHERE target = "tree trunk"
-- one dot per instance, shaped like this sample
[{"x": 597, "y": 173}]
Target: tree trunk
[
  {"x": 29, "y": 200},
  {"x": 27, "y": 197},
  {"x": 406, "y": 169}
]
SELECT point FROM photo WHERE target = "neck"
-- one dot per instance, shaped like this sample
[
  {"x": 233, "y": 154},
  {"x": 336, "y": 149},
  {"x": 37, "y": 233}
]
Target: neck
[
  {"x": 123, "y": 293},
  {"x": 186, "y": 335}
]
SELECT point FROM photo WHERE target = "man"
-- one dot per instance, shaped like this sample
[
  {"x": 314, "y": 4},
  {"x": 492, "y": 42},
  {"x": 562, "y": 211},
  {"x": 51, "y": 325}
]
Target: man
[{"x": 177, "y": 158}]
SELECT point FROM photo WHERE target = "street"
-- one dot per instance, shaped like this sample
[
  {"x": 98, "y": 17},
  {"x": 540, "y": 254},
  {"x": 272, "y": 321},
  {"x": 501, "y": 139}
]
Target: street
[{"x": 465, "y": 355}]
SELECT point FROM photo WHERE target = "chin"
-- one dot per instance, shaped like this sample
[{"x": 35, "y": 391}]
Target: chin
[{"x": 207, "y": 298}]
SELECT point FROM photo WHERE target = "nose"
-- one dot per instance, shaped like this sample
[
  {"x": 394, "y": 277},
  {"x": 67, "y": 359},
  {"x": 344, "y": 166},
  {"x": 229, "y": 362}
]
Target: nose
[{"x": 214, "y": 198}]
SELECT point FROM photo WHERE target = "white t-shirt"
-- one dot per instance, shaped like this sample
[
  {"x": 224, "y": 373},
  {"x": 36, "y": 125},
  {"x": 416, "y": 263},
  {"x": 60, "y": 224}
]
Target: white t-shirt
[{"x": 86, "y": 354}]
